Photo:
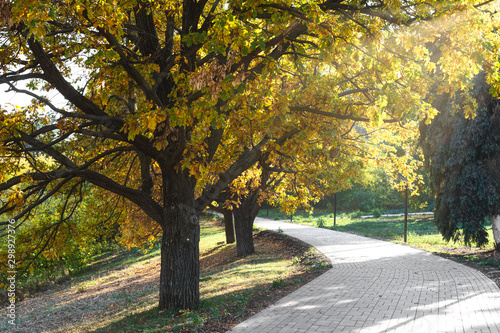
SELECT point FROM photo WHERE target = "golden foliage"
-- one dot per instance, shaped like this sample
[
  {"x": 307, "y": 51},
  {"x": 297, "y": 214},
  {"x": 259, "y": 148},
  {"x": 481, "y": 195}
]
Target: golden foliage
[{"x": 351, "y": 84}]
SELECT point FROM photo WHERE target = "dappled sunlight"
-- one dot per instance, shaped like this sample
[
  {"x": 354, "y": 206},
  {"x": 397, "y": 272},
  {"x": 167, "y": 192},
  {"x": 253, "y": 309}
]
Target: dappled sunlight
[
  {"x": 377, "y": 286},
  {"x": 94, "y": 302},
  {"x": 407, "y": 303},
  {"x": 242, "y": 273},
  {"x": 124, "y": 290}
]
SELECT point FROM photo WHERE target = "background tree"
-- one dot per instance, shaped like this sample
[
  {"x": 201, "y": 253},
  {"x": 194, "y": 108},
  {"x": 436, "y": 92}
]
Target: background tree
[
  {"x": 48, "y": 247},
  {"x": 161, "y": 94},
  {"x": 227, "y": 215},
  {"x": 464, "y": 159},
  {"x": 297, "y": 181}
]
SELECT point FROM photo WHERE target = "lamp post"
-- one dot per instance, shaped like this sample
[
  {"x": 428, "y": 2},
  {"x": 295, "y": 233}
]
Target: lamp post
[
  {"x": 406, "y": 214},
  {"x": 335, "y": 208},
  {"x": 406, "y": 173}
]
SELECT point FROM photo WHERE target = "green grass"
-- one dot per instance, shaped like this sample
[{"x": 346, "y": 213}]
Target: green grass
[
  {"x": 422, "y": 234},
  {"x": 125, "y": 285},
  {"x": 227, "y": 284},
  {"x": 300, "y": 217}
]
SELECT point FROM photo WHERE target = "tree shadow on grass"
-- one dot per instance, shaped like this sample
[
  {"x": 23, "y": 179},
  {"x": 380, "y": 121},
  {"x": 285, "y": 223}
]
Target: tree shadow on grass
[
  {"x": 117, "y": 299},
  {"x": 151, "y": 320},
  {"x": 116, "y": 259},
  {"x": 222, "y": 311},
  {"x": 215, "y": 314}
]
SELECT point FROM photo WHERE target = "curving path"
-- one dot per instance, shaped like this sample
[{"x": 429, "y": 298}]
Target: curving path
[{"x": 377, "y": 286}]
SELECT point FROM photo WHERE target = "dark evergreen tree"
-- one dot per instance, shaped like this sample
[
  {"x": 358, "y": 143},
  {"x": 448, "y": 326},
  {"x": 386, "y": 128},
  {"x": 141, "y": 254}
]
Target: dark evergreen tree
[{"x": 463, "y": 156}]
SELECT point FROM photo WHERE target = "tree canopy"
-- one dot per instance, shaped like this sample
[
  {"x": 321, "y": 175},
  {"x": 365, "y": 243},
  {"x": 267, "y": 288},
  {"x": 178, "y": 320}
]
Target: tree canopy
[
  {"x": 169, "y": 102},
  {"x": 464, "y": 159}
]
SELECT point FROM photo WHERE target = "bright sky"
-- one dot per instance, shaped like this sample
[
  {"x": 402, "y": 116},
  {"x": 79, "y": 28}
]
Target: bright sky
[
  {"x": 21, "y": 99},
  {"x": 11, "y": 98}
]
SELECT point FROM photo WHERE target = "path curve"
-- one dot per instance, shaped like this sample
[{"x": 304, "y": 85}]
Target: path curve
[{"x": 377, "y": 286}]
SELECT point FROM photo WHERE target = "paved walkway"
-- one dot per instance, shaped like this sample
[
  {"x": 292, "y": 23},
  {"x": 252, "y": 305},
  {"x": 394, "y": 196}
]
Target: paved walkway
[{"x": 376, "y": 286}]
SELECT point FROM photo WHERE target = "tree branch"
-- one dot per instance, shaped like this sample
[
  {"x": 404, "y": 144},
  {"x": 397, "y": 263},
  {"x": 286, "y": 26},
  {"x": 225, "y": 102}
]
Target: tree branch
[
  {"x": 54, "y": 77},
  {"x": 49, "y": 150},
  {"x": 131, "y": 70},
  {"x": 336, "y": 115},
  {"x": 150, "y": 207},
  {"x": 21, "y": 77},
  {"x": 367, "y": 10},
  {"x": 248, "y": 158},
  {"x": 104, "y": 154}
]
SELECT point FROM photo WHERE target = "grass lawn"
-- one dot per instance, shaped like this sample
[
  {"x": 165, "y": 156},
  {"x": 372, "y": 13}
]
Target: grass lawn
[{"x": 119, "y": 292}]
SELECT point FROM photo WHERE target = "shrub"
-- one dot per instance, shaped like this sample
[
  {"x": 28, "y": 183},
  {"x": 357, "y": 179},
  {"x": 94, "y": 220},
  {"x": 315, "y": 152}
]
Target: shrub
[
  {"x": 356, "y": 214},
  {"x": 376, "y": 213},
  {"x": 320, "y": 265},
  {"x": 321, "y": 222},
  {"x": 279, "y": 283}
]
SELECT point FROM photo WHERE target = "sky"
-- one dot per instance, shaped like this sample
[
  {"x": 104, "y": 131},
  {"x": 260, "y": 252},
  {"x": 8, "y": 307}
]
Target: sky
[{"x": 10, "y": 98}]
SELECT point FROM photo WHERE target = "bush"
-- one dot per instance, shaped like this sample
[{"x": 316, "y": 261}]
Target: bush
[
  {"x": 356, "y": 214},
  {"x": 320, "y": 265},
  {"x": 376, "y": 213},
  {"x": 321, "y": 222},
  {"x": 279, "y": 283}
]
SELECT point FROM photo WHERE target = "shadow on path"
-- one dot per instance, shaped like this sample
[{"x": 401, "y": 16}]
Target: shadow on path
[{"x": 377, "y": 286}]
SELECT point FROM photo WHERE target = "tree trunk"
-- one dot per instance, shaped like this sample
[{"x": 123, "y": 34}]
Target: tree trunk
[
  {"x": 243, "y": 225},
  {"x": 244, "y": 216},
  {"x": 180, "y": 272},
  {"x": 495, "y": 226},
  {"x": 229, "y": 226}
]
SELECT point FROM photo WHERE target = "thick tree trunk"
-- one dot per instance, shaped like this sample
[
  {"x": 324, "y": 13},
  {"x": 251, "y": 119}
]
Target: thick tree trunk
[
  {"x": 229, "y": 226},
  {"x": 495, "y": 226},
  {"x": 180, "y": 272},
  {"x": 243, "y": 225},
  {"x": 244, "y": 216},
  {"x": 179, "y": 276}
]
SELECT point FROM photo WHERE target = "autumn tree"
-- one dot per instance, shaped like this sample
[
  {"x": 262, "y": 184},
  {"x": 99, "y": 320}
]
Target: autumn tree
[
  {"x": 220, "y": 207},
  {"x": 292, "y": 182},
  {"x": 48, "y": 246},
  {"x": 162, "y": 95}
]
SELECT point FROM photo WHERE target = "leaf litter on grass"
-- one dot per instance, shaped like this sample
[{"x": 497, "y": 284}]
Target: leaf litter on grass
[
  {"x": 123, "y": 298},
  {"x": 90, "y": 304}
]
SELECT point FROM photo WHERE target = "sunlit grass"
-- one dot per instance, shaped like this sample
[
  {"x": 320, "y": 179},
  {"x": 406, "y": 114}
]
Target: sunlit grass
[
  {"x": 239, "y": 274},
  {"x": 120, "y": 292}
]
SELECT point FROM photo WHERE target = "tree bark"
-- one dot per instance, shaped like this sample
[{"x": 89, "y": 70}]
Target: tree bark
[
  {"x": 229, "y": 226},
  {"x": 495, "y": 226},
  {"x": 180, "y": 272},
  {"x": 179, "y": 276},
  {"x": 243, "y": 225},
  {"x": 244, "y": 216}
]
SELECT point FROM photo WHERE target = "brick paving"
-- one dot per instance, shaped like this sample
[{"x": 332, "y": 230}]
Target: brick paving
[{"x": 376, "y": 286}]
